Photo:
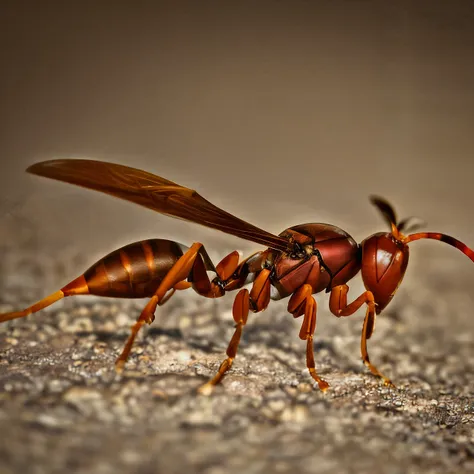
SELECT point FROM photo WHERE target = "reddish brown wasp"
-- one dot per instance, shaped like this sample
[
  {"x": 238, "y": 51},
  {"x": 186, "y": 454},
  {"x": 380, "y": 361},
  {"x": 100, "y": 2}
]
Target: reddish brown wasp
[{"x": 301, "y": 261}]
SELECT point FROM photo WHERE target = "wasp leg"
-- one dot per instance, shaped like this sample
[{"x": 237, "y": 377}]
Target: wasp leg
[
  {"x": 182, "y": 285},
  {"x": 143, "y": 319},
  {"x": 339, "y": 307},
  {"x": 240, "y": 312},
  {"x": 367, "y": 330},
  {"x": 193, "y": 263},
  {"x": 174, "y": 279},
  {"x": 228, "y": 265},
  {"x": 257, "y": 300},
  {"x": 302, "y": 302}
]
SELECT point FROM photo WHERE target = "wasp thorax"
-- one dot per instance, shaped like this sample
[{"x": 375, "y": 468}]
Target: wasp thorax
[{"x": 384, "y": 261}]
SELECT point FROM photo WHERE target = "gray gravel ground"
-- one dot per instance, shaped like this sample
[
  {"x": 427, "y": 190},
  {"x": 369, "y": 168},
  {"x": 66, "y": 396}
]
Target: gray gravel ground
[
  {"x": 279, "y": 112},
  {"x": 63, "y": 408}
]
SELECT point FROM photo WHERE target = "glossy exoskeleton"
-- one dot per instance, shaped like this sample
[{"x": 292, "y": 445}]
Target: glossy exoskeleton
[{"x": 301, "y": 261}]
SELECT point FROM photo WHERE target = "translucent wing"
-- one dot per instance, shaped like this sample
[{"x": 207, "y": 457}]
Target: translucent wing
[{"x": 155, "y": 193}]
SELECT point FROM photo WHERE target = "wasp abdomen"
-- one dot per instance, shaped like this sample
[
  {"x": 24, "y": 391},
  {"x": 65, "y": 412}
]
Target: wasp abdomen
[{"x": 133, "y": 271}]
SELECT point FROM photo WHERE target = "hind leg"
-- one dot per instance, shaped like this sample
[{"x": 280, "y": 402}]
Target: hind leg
[
  {"x": 193, "y": 262},
  {"x": 178, "y": 273},
  {"x": 143, "y": 319}
]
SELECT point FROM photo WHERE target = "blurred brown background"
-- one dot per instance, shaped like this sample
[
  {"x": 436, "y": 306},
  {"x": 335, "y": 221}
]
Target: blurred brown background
[{"x": 281, "y": 112}]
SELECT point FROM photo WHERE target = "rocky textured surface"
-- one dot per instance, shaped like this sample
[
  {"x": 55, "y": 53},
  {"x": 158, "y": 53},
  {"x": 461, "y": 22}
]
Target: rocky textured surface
[
  {"x": 63, "y": 408},
  {"x": 279, "y": 112}
]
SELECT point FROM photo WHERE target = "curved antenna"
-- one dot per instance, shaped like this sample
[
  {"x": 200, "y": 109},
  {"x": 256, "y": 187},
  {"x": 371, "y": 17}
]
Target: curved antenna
[
  {"x": 443, "y": 238},
  {"x": 387, "y": 211}
]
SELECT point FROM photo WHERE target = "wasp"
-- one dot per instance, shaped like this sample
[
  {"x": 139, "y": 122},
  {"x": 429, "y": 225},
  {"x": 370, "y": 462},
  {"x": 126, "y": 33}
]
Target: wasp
[{"x": 299, "y": 262}]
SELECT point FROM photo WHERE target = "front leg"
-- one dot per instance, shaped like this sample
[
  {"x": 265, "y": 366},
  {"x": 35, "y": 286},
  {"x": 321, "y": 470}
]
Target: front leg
[{"x": 339, "y": 307}]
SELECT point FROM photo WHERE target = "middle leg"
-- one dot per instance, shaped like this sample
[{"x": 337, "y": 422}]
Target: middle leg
[
  {"x": 240, "y": 312},
  {"x": 303, "y": 302},
  {"x": 257, "y": 300}
]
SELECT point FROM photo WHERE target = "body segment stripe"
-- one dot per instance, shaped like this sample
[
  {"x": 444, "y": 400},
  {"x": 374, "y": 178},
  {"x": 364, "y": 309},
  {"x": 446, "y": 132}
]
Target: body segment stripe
[
  {"x": 149, "y": 257},
  {"x": 127, "y": 265},
  {"x": 102, "y": 269}
]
